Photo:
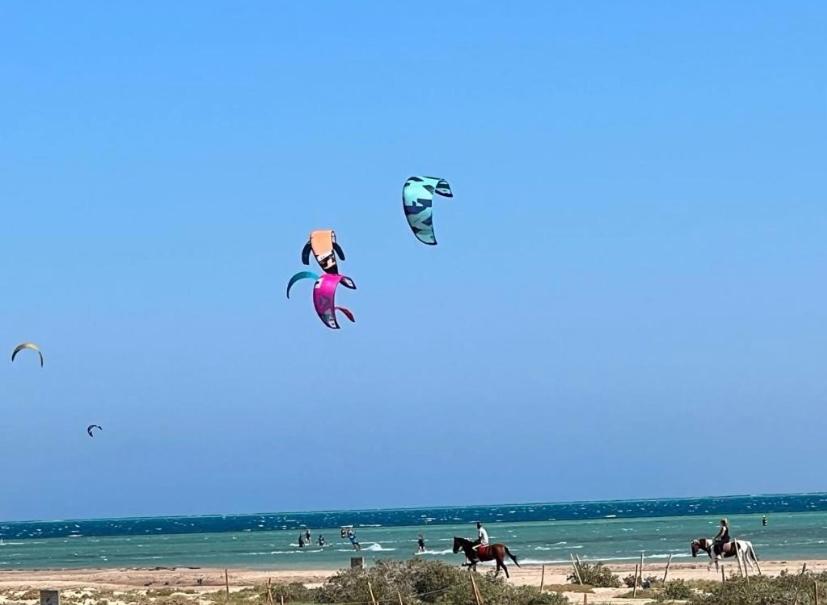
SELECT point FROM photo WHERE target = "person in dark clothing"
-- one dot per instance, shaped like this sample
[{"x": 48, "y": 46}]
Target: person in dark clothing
[{"x": 721, "y": 538}]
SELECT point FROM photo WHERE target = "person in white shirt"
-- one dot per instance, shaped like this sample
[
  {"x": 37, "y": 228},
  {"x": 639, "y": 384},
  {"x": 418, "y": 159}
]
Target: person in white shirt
[{"x": 482, "y": 536}]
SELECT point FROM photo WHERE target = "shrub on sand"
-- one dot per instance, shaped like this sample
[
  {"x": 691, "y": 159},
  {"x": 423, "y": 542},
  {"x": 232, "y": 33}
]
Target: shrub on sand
[
  {"x": 762, "y": 590},
  {"x": 595, "y": 574}
]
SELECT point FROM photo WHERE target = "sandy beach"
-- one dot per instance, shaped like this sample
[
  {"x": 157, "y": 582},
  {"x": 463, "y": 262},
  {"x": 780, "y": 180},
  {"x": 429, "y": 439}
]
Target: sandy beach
[{"x": 196, "y": 581}]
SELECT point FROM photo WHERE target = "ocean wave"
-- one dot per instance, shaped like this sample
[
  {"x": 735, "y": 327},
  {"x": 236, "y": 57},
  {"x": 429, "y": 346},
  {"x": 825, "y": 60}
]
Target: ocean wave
[
  {"x": 376, "y": 547},
  {"x": 447, "y": 551}
]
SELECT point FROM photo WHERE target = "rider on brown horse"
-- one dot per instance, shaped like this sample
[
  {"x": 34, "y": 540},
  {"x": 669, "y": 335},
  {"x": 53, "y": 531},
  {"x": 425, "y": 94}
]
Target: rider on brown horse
[
  {"x": 475, "y": 554},
  {"x": 481, "y": 545}
]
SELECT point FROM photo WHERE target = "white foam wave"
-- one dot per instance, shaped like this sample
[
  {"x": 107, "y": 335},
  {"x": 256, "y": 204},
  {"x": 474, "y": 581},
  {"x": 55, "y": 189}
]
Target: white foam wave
[{"x": 376, "y": 547}]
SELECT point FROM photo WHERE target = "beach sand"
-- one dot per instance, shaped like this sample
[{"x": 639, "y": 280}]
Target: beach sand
[{"x": 213, "y": 579}]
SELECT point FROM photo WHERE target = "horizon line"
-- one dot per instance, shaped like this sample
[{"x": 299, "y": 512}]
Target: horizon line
[{"x": 411, "y": 508}]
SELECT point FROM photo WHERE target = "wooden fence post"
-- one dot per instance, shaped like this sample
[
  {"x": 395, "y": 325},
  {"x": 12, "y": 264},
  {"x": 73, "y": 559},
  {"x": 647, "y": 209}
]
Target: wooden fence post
[
  {"x": 723, "y": 577},
  {"x": 477, "y": 595},
  {"x": 576, "y": 571},
  {"x": 815, "y": 589},
  {"x": 370, "y": 590},
  {"x": 227, "y": 583},
  {"x": 634, "y": 588},
  {"x": 641, "y": 570},
  {"x": 399, "y": 594},
  {"x": 746, "y": 569},
  {"x": 542, "y": 578},
  {"x": 666, "y": 573}
]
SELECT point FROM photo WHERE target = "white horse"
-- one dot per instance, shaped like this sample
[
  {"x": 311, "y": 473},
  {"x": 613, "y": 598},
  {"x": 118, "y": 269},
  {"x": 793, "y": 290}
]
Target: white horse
[{"x": 742, "y": 549}]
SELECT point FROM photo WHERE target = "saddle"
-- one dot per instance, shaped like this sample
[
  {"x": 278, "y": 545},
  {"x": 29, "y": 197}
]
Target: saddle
[
  {"x": 483, "y": 551},
  {"x": 724, "y": 548}
]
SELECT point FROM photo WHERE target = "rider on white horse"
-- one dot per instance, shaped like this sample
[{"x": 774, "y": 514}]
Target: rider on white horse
[{"x": 722, "y": 538}]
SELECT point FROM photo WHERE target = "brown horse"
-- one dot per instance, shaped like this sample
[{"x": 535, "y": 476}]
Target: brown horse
[{"x": 493, "y": 552}]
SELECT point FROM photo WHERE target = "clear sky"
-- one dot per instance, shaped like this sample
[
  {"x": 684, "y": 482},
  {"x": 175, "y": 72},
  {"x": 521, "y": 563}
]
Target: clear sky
[{"x": 627, "y": 298}]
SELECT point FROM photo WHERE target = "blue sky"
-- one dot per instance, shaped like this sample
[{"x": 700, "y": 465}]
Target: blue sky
[{"x": 632, "y": 268}]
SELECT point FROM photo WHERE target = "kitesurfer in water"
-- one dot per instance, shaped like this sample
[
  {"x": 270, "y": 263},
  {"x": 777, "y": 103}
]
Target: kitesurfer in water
[
  {"x": 307, "y": 536},
  {"x": 321, "y": 540},
  {"x": 301, "y": 541},
  {"x": 352, "y": 537},
  {"x": 421, "y": 543}
]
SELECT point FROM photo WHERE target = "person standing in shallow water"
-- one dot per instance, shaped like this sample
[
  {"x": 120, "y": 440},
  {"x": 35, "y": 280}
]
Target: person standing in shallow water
[{"x": 421, "y": 543}]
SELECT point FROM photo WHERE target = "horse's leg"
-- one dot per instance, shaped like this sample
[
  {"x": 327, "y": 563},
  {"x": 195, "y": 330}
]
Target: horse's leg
[
  {"x": 505, "y": 569},
  {"x": 746, "y": 558},
  {"x": 754, "y": 558}
]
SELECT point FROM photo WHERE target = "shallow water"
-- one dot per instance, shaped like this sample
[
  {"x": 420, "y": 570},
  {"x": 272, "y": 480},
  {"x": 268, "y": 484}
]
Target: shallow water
[{"x": 538, "y": 533}]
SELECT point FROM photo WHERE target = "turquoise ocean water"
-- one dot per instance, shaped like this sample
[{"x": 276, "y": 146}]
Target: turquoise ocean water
[{"x": 537, "y": 533}]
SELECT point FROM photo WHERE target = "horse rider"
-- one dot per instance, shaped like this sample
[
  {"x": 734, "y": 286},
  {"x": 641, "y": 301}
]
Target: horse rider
[
  {"x": 482, "y": 537},
  {"x": 721, "y": 538}
]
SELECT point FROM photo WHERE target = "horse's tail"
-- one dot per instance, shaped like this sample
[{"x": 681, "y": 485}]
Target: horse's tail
[{"x": 512, "y": 557}]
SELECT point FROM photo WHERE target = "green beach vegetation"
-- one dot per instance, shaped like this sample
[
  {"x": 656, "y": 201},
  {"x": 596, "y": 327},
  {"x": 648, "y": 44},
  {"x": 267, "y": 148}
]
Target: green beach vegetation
[
  {"x": 597, "y": 575},
  {"x": 419, "y": 582}
]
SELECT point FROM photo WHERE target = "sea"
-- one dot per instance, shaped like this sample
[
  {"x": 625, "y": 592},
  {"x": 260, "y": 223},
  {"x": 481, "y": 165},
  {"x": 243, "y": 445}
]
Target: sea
[{"x": 608, "y": 531}]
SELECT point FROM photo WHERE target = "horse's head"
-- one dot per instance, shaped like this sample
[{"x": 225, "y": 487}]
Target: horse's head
[
  {"x": 457, "y": 544},
  {"x": 697, "y": 545}
]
